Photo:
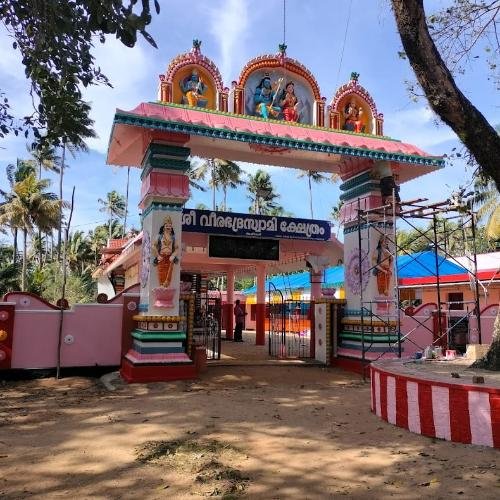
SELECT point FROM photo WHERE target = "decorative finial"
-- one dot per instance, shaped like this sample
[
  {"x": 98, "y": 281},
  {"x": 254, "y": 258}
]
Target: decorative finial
[
  {"x": 354, "y": 76},
  {"x": 282, "y": 48},
  {"x": 196, "y": 44}
]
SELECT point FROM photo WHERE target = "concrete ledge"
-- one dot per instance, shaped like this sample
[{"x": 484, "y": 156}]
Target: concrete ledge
[{"x": 432, "y": 405}]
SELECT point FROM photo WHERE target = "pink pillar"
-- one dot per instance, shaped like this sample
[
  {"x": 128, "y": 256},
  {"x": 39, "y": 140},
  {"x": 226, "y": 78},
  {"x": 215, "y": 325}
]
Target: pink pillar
[
  {"x": 316, "y": 285},
  {"x": 260, "y": 309},
  {"x": 230, "y": 303}
]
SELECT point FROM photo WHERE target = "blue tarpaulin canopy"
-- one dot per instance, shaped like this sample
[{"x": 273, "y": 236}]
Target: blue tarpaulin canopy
[{"x": 417, "y": 265}]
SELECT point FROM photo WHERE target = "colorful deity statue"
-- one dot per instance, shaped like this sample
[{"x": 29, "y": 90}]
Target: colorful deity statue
[
  {"x": 353, "y": 117},
  {"x": 382, "y": 265},
  {"x": 264, "y": 98},
  {"x": 193, "y": 88},
  {"x": 289, "y": 103},
  {"x": 165, "y": 251}
]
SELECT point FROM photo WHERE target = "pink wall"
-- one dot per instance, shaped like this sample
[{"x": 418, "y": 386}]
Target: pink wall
[
  {"x": 96, "y": 330},
  {"x": 419, "y": 337},
  {"x": 493, "y": 296}
]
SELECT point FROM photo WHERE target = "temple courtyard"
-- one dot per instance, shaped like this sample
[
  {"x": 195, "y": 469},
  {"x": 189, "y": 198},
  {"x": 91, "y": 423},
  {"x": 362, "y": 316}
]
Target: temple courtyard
[{"x": 240, "y": 431}]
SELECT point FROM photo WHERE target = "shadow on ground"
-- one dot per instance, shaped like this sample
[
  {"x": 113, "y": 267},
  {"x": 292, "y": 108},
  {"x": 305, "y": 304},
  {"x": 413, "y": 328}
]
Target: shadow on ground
[{"x": 259, "y": 432}]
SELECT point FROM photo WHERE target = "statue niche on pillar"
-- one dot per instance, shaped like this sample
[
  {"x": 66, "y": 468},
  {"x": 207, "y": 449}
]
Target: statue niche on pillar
[{"x": 165, "y": 251}]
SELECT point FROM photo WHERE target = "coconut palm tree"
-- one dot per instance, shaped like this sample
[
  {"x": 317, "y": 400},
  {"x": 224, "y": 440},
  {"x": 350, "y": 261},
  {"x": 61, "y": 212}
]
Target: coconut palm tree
[
  {"x": 262, "y": 193},
  {"x": 79, "y": 254},
  {"x": 228, "y": 175},
  {"x": 223, "y": 173},
  {"x": 114, "y": 206},
  {"x": 30, "y": 206},
  {"x": 73, "y": 141},
  {"x": 16, "y": 173},
  {"x": 45, "y": 158},
  {"x": 194, "y": 176},
  {"x": 487, "y": 202},
  {"x": 316, "y": 177},
  {"x": 335, "y": 215}
]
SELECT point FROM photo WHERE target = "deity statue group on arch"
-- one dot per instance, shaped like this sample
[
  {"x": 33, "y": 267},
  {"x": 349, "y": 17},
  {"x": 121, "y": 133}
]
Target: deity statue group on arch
[{"x": 276, "y": 100}]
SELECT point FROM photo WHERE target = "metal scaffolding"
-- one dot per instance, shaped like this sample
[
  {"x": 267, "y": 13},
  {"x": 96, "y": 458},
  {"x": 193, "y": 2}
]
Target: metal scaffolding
[{"x": 386, "y": 220}]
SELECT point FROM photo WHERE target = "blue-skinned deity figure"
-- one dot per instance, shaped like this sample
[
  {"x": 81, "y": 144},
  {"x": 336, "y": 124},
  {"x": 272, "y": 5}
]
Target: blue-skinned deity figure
[
  {"x": 264, "y": 98},
  {"x": 193, "y": 87}
]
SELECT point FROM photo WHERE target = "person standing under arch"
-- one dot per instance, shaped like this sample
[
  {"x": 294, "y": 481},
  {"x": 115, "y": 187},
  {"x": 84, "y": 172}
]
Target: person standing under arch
[{"x": 239, "y": 321}]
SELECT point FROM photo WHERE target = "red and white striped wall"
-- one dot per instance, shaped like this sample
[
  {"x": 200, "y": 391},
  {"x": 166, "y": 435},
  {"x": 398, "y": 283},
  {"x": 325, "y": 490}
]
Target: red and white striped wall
[{"x": 451, "y": 411}]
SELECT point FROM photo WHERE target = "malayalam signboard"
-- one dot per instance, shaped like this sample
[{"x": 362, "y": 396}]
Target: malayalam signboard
[{"x": 229, "y": 223}]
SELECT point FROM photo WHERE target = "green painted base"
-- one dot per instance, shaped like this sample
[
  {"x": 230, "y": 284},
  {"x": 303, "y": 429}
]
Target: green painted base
[
  {"x": 377, "y": 338},
  {"x": 159, "y": 335}
]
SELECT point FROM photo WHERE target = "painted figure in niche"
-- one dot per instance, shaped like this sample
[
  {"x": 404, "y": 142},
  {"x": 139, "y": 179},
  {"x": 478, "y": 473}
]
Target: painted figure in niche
[
  {"x": 289, "y": 103},
  {"x": 382, "y": 265},
  {"x": 353, "y": 115},
  {"x": 265, "y": 97},
  {"x": 146, "y": 252},
  {"x": 165, "y": 250},
  {"x": 193, "y": 88}
]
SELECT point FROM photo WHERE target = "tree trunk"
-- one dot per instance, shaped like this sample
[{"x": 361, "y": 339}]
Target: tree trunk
[
  {"x": 40, "y": 249},
  {"x": 25, "y": 249},
  {"x": 310, "y": 195},
  {"x": 225, "y": 198},
  {"x": 491, "y": 360},
  {"x": 449, "y": 103},
  {"x": 61, "y": 175},
  {"x": 444, "y": 97},
  {"x": 14, "y": 256}
]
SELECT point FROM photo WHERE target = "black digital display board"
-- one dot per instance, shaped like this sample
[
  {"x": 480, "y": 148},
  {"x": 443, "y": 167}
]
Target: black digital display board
[{"x": 230, "y": 247}]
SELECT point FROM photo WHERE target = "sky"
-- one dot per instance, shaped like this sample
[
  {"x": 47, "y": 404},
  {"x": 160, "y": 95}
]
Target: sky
[{"x": 330, "y": 37}]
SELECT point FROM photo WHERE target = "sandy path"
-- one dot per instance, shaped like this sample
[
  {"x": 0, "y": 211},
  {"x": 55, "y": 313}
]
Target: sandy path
[{"x": 278, "y": 432}]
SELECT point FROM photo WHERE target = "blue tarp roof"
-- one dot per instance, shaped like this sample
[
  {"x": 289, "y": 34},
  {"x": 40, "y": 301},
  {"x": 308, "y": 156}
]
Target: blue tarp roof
[
  {"x": 417, "y": 265},
  {"x": 423, "y": 264}
]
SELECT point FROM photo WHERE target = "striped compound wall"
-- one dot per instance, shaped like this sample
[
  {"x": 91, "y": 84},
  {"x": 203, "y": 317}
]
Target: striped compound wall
[{"x": 452, "y": 411}]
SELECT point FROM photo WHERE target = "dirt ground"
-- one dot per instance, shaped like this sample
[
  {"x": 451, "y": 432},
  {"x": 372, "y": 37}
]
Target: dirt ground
[{"x": 257, "y": 432}]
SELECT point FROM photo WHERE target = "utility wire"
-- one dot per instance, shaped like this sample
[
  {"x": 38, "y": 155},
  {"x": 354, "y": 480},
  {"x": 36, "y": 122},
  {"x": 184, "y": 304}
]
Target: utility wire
[{"x": 344, "y": 43}]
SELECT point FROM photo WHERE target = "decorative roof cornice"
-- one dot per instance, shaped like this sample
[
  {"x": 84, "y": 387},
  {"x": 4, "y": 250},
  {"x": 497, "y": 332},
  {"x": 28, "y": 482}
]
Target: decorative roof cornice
[
  {"x": 156, "y": 123},
  {"x": 277, "y": 61}
]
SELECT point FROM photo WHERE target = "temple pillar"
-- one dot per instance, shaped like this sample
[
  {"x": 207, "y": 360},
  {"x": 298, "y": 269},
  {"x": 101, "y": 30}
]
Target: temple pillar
[
  {"x": 229, "y": 303},
  {"x": 316, "y": 279},
  {"x": 160, "y": 343},
  {"x": 260, "y": 308},
  {"x": 369, "y": 263}
]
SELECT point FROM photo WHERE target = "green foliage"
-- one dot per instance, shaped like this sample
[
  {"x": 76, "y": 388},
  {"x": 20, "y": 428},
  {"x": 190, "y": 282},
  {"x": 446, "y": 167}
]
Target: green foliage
[
  {"x": 262, "y": 193},
  {"x": 115, "y": 206},
  {"x": 9, "y": 272},
  {"x": 80, "y": 287},
  {"x": 451, "y": 235},
  {"x": 56, "y": 38},
  {"x": 243, "y": 283},
  {"x": 223, "y": 174}
]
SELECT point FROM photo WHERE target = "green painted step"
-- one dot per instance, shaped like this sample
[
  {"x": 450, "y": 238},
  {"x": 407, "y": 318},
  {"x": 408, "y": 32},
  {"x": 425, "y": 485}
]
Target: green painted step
[
  {"x": 152, "y": 336},
  {"x": 369, "y": 337}
]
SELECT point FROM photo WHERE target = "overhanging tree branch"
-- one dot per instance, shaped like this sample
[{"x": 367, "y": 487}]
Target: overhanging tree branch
[{"x": 444, "y": 97}]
